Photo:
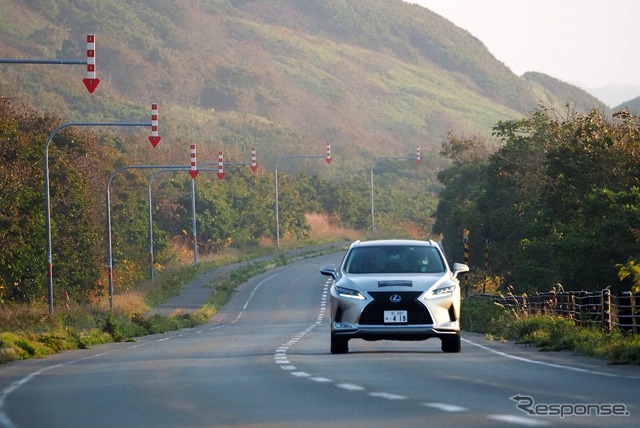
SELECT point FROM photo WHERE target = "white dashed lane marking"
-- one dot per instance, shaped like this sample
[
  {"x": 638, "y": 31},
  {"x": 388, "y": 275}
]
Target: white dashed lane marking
[
  {"x": 445, "y": 407},
  {"x": 321, "y": 379},
  {"x": 350, "y": 387},
  {"x": 388, "y": 396},
  {"x": 520, "y": 420}
]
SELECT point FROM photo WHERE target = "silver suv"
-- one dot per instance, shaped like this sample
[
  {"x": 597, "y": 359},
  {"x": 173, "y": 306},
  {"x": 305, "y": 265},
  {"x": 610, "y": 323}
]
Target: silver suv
[{"x": 394, "y": 290}]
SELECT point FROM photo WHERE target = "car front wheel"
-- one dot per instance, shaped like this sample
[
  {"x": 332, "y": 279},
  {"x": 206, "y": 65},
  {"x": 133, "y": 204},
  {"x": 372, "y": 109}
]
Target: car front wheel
[
  {"x": 339, "y": 345},
  {"x": 451, "y": 343}
]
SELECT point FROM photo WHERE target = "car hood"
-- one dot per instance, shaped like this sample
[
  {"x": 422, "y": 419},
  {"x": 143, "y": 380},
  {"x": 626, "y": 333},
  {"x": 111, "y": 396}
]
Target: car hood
[{"x": 395, "y": 282}]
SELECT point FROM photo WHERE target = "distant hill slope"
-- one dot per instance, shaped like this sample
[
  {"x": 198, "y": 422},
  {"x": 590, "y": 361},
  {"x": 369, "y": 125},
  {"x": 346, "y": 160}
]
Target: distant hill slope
[
  {"x": 632, "y": 105},
  {"x": 375, "y": 78},
  {"x": 549, "y": 90}
]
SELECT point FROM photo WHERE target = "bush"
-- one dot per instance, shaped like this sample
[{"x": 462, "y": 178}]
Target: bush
[
  {"x": 121, "y": 328},
  {"x": 486, "y": 316},
  {"x": 546, "y": 332},
  {"x": 19, "y": 347}
]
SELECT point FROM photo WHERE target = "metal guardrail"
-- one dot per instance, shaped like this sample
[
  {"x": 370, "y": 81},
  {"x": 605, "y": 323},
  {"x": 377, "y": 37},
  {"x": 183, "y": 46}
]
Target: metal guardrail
[{"x": 609, "y": 311}]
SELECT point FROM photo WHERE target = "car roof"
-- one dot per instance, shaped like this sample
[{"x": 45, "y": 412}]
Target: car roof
[{"x": 391, "y": 242}]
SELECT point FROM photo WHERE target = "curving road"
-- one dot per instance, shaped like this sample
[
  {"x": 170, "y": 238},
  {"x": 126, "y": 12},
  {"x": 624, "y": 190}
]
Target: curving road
[{"x": 264, "y": 361}]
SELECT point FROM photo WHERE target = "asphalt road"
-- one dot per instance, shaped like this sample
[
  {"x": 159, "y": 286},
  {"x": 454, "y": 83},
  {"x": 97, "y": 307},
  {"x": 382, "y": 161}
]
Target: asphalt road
[{"x": 264, "y": 361}]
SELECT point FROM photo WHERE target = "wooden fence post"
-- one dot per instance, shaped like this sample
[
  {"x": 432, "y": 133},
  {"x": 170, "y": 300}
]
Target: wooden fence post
[
  {"x": 635, "y": 310},
  {"x": 605, "y": 307}
]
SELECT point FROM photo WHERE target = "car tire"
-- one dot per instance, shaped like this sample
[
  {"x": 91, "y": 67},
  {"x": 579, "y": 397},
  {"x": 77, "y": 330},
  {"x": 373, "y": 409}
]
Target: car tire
[
  {"x": 451, "y": 343},
  {"x": 339, "y": 345}
]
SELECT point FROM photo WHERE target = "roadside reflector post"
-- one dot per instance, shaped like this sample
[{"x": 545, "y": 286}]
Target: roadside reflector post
[
  {"x": 91, "y": 82},
  {"x": 465, "y": 244},
  {"x": 154, "y": 138},
  {"x": 486, "y": 264},
  {"x": 220, "y": 165},
  {"x": 193, "y": 172},
  {"x": 254, "y": 162}
]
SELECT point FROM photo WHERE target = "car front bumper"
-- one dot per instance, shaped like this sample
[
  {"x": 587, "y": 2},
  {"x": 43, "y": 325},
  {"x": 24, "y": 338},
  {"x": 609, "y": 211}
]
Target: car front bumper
[
  {"x": 427, "y": 316},
  {"x": 394, "y": 332}
]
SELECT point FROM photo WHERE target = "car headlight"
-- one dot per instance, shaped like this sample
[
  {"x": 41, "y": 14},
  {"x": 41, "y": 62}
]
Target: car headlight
[
  {"x": 351, "y": 294},
  {"x": 444, "y": 290}
]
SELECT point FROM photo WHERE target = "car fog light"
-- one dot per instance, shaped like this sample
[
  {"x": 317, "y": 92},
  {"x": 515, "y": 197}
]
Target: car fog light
[
  {"x": 453, "y": 324},
  {"x": 343, "y": 326}
]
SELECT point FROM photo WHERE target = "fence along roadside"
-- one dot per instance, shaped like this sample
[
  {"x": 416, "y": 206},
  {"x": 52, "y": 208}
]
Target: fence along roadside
[{"x": 621, "y": 310}]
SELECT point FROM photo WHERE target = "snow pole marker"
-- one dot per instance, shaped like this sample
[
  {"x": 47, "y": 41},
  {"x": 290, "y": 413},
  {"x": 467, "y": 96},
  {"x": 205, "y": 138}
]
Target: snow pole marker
[{"x": 91, "y": 82}]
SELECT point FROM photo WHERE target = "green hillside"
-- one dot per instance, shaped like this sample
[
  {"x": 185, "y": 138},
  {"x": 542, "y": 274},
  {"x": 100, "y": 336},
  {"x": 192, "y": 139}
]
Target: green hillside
[{"x": 374, "y": 78}]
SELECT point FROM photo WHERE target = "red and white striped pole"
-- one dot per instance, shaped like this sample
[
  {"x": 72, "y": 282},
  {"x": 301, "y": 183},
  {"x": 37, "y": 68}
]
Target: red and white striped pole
[
  {"x": 90, "y": 82},
  {"x": 193, "y": 172},
  {"x": 254, "y": 162},
  {"x": 418, "y": 155},
  {"x": 328, "y": 153},
  {"x": 154, "y": 138},
  {"x": 220, "y": 166}
]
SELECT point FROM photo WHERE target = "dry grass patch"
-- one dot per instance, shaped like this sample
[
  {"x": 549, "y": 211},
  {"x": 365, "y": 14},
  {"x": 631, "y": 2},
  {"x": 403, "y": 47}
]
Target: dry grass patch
[{"x": 322, "y": 228}]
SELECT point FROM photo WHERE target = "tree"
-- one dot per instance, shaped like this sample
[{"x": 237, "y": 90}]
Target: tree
[
  {"x": 632, "y": 271},
  {"x": 558, "y": 201},
  {"x": 464, "y": 186}
]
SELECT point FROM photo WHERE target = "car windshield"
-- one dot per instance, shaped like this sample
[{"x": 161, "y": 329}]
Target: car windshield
[{"x": 394, "y": 259}]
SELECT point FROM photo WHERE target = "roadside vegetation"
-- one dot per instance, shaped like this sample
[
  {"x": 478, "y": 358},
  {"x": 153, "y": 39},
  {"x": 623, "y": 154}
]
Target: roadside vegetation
[
  {"x": 554, "y": 201},
  {"x": 548, "y": 332},
  {"x": 28, "y": 331}
]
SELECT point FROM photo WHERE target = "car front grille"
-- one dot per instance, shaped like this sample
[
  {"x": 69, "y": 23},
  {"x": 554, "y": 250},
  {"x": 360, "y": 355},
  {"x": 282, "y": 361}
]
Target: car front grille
[{"x": 373, "y": 313}]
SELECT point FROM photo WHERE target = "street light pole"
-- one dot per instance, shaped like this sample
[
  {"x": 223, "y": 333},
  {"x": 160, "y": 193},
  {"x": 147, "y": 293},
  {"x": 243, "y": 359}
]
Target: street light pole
[
  {"x": 152, "y": 177},
  {"x": 194, "y": 222},
  {"x": 108, "y": 199},
  {"x": 163, "y": 168},
  {"x": 47, "y": 202},
  {"x": 276, "y": 187},
  {"x": 150, "y": 220}
]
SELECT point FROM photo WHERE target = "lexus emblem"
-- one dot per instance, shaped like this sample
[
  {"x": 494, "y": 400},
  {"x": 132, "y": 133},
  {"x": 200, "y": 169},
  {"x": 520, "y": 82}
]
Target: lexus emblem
[{"x": 395, "y": 298}]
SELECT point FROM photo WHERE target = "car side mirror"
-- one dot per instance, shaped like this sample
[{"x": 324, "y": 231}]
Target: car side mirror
[
  {"x": 329, "y": 270},
  {"x": 459, "y": 268}
]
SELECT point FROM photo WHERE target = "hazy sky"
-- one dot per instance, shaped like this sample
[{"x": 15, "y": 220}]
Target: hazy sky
[{"x": 589, "y": 43}]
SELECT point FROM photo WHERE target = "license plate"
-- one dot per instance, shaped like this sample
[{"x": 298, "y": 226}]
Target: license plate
[{"x": 395, "y": 316}]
